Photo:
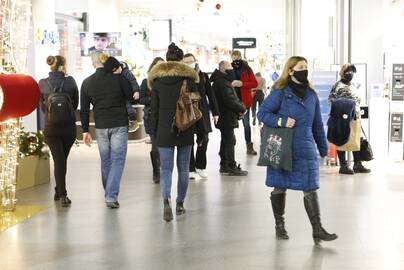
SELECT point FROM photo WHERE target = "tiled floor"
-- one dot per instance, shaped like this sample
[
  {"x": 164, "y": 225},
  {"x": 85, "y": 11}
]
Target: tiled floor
[{"x": 228, "y": 224}]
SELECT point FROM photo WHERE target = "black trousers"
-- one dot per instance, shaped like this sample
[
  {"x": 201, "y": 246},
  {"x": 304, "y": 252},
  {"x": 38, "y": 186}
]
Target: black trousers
[
  {"x": 60, "y": 148},
  {"x": 258, "y": 98},
  {"x": 198, "y": 161},
  {"x": 342, "y": 157},
  {"x": 227, "y": 144}
]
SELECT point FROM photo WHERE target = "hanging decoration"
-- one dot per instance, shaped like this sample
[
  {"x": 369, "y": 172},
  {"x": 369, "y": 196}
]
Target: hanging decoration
[
  {"x": 13, "y": 89},
  {"x": 33, "y": 144},
  {"x": 15, "y": 18}
]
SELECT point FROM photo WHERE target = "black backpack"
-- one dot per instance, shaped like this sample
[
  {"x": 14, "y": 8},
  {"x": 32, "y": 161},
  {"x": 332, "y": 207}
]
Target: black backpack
[{"x": 59, "y": 106}]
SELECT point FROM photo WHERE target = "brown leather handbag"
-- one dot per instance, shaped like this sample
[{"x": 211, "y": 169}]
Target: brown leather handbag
[{"x": 187, "y": 111}]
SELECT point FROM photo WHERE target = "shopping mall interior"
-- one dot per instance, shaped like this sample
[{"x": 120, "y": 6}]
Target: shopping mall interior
[{"x": 231, "y": 220}]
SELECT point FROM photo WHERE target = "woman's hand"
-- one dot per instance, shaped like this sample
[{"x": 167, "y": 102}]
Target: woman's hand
[{"x": 290, "y": 123}]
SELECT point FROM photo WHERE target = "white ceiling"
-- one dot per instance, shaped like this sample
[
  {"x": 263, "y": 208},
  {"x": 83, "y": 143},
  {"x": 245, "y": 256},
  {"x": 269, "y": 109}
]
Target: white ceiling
[{"x": 253, "y": 18}]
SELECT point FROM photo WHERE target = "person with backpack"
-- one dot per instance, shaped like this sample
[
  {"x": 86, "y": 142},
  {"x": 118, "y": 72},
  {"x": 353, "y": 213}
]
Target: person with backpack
[
  {"x": 108, "y": 93},
  {"x": 59, "y": 100},
  {"x": 166, "y": 80}
]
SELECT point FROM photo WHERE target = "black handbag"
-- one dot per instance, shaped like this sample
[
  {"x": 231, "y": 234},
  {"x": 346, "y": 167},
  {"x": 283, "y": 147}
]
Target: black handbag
[
  {"x": 366, "y": 153},
  {"x": 276, "y": 147}
]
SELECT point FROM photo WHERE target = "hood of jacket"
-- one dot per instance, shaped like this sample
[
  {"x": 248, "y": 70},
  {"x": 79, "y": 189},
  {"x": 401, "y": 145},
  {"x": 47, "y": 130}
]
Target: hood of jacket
[{"x": 171, "y": 69}]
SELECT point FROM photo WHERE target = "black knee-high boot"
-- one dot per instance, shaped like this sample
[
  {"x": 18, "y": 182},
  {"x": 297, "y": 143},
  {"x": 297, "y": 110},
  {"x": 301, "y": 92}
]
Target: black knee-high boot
[
  {"x": 278, "y": 207},
  {"x": 155, "y": 159},
  {"x": 313, "y": 211}
]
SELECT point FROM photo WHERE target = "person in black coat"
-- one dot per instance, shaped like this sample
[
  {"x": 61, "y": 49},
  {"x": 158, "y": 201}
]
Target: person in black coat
[
  {"x": 166, "y": 80},
  {"x": 60, "y": 138},
  {"x": 145, "y": 99},
  {"x": 230, "y": 111},
  {"x": 198, "y": 164}
]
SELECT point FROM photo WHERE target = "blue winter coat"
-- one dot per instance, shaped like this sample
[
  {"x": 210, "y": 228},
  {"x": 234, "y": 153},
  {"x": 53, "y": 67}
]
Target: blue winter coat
[{"x": 308, "y": 133}]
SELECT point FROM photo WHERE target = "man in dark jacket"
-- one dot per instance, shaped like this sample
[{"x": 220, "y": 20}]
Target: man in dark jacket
[
  {"x": 198, "y": 162},
  {"x": 108, "y": 94},
  {"x": 230, "y": 111}
]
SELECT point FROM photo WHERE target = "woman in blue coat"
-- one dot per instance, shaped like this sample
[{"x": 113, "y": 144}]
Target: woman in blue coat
[{"x": 294, "y": 104}]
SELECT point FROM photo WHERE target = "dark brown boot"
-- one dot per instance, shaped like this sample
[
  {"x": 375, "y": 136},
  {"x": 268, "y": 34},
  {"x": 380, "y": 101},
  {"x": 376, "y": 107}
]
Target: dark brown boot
[{"x": 250, "y": 149}]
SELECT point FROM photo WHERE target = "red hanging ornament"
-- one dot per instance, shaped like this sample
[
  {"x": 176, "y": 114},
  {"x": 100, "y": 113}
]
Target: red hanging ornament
[
  {"x": 218, "y": 6},
  {"x": 20, "y": 96}
]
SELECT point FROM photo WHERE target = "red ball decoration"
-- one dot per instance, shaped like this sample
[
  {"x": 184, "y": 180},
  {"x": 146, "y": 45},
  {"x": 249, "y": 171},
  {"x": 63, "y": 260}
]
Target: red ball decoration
[
  {"x": 218, "y": 6},
  {"x": 20, "y": 96}
]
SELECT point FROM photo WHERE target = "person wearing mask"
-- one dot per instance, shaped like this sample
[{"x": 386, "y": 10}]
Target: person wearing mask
[
  {"x": 294, "y": 104},
  {"x": 108, "y": 93},
  {"x": 259, "y": 94},
  {"x": 59, "y": 137},
  {"x": 198, "y": 162},
  {"x": 244, "y": 81},
  {"x": 166, "y": 80},
  {"x": 231, "y": 109},
  {"x": 145, "y": 99},
  {"x": 345, "y": 89}
]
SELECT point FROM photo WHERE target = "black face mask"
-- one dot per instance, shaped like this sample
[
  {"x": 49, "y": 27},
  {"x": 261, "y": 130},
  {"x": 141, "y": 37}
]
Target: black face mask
[
  {"x": 236, "y": 63},
  {"x": 230, "y": 74},
  {"x": 301, "y": 76},
  {"x": 348, "y": 77}
]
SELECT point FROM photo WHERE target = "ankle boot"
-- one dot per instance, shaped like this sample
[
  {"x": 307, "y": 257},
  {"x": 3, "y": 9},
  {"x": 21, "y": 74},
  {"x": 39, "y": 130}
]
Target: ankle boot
[
  {"x": 278, "y": 207},
  {"x": 344, "y": 168},
  {"x": 155, "y": 159},
  {"x": 250, "y": 149},
  {"x": 313, "y": 211},
  {"x": 180, "y": 210},
  {"x": 168, "y": 212},
  {"x": 359, "y": 168}
]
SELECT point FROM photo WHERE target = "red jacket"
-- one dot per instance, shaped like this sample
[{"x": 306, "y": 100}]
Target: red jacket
[{"x": 249, "y": 82}]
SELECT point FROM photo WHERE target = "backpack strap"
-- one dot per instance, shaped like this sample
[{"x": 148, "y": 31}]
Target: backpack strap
[{"x": 53, "y": 88}]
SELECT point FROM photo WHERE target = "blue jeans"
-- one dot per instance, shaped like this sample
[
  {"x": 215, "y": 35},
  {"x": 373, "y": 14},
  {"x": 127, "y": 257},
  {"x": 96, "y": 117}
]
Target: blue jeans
[
  {"x": 166, "y": 171},
  {"x": 247, "y": 126},
  {"x": 112, "y": 145}
]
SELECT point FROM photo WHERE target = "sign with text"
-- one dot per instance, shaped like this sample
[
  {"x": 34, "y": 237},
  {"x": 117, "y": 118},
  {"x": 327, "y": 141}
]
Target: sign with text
[
  {"x": 396, "y": 128},
  {"x": 398, "y": 82},
  {"x": 244, "y": 43}
]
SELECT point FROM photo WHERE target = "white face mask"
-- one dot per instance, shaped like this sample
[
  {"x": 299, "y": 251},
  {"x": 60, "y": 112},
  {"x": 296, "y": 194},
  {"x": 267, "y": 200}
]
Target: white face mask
[{"x": 193, "y": 65}]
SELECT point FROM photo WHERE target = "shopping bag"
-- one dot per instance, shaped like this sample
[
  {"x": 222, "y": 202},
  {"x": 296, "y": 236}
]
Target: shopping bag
[
  {"x": 354, "y": 142},
  {"x": 276, "y": 148}
]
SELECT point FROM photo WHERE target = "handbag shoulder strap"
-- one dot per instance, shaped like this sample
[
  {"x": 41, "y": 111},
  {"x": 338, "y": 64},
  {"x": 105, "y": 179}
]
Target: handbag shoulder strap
[{"x": 364, "y": 134}]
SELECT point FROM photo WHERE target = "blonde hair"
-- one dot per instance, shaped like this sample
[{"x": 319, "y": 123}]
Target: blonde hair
[
  {"x": 103, "y": 57},
  {"x": 343, "y": 69},
  {"x": 236, "y": 53},
  {"x": 56, "y": 63},
  {"x": 282, "y": 82},
  {"x": 96, "y": 57}
]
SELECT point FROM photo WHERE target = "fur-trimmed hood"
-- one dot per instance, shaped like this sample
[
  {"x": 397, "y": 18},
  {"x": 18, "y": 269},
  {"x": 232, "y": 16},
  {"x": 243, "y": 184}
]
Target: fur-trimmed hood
[{"x": 171, "y": 69}]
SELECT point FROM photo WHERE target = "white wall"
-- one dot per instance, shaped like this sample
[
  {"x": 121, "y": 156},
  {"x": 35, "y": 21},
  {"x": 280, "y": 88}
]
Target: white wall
[{"x": 367, "y": 47}]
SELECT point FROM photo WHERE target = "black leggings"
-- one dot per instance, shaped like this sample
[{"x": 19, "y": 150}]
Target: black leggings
[
  {"x": 342, "y": 157},
  {"x": 60, "y": 147}
]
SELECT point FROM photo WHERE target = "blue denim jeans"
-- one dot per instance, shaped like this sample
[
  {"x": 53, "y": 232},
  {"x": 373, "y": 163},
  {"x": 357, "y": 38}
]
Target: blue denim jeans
[
  {"x": 247, "y": 126},
  {"x": 166, "y": 171},
  {"x": 112, "y": 145}
]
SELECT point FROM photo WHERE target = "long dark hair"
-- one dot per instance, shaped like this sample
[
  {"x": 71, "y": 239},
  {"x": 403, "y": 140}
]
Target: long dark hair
[
  {"x": 174, "y": 53},
  {"x": 155, "y": 61}
]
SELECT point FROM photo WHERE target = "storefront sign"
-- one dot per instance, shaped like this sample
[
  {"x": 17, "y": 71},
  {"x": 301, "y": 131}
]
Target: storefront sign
[
  {"x": 396, "y": 128},
  {"x": 398, "y": 82},
  {"x": 244, "y": 43}
]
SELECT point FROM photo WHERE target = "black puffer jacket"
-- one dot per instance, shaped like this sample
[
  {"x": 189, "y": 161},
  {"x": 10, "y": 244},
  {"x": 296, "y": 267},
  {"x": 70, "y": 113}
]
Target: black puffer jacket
[
  {"x": 145, "y": 99},
  {"x": 206, "y": 92},
  {"x": 69, "y": 87},
  {"x": 166, "y": 79},
  {"x": 229, "y": 104}
]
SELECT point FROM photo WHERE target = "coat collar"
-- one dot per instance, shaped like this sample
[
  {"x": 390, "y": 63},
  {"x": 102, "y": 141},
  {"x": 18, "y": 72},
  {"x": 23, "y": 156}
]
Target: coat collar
[{"x": 171, "y": 69}]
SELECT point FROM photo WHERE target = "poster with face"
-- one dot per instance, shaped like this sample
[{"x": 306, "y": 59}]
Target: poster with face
[{"x": 110, "y": 42}]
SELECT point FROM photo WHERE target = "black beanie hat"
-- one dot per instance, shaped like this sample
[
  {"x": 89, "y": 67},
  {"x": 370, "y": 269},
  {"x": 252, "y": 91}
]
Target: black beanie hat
[{"x": 111, "y": 64}]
